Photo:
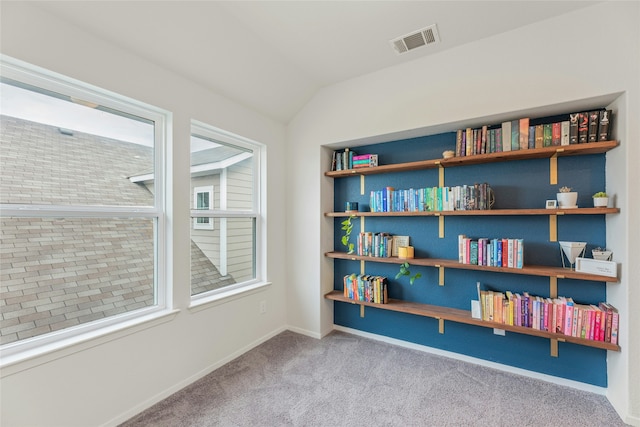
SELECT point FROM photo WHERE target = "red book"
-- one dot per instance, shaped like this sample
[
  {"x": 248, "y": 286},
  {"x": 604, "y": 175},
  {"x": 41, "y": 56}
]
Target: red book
[
  {"x": 603, "y": 324},
  {"x": 560, "y": 307},
  {"x": 596, "y": 332},
  {"x": 592, "y": 322},
  {"x": 524, "y": 134},
  {"x": 556, "y": 133},
  {"x": 505, "y": 252},
  {"x": 607, "y": 329}
]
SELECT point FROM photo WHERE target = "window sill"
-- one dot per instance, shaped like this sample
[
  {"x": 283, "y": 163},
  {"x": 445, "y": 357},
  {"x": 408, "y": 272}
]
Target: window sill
[
  {"x": 206, "y": 301},
  {"x": 32, "y": 357}
]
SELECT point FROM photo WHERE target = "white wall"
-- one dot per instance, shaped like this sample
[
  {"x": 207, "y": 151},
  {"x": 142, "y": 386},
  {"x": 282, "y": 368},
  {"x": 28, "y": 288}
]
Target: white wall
[
  {"x": 107, "y": 380},
  {"x": 591, "y": 53}
]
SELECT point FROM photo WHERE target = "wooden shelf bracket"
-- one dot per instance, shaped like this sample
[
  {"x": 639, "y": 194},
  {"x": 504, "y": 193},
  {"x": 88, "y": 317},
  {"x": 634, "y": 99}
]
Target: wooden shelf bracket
[
  {"x": 553, "y": 287},
  {"x": 440, "y": 275},
  {"x": 440, "y": 325},
  {"x": 362, "y": 185},
  {"x": 553, "y": 228},
  {"x": 554, "y": 347},
  {"x": 440, "y": 226},
  {"x": 362, "y": 310},
  {"x": 553, "y": 169}
]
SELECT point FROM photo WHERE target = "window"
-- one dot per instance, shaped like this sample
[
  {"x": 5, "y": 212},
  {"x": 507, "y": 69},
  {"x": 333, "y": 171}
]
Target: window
[
  {"x": 82, "y": 238},
  {"x": 226, "y": 255},
  {"x": 202, "y": 197}
]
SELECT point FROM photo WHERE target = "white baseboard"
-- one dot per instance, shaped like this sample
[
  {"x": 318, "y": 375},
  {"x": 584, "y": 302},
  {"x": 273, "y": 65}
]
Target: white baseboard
[
  {"x": 189, "y": 380},
  {"x": 498, "y": 366},
  {"x": 632, "y": 421},
  {"x": 300, "y": 331}
]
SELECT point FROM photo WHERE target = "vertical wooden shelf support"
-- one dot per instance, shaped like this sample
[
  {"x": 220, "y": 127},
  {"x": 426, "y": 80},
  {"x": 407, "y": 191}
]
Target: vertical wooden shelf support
[
  {"x": 362, "y": 310},
  {"x": 553, "y": 169},
  {"x": 440, "y": 325},
  {"x": 554, "y": 347},
  {"x": 440, "y": 174},
  {"x": 361, "y": 266},
  {"x": 362, "y": 185},
  {"x": 553, "y": 287},
  {"x": 440, "y": 226},
  {"x": 553, "y": 228},
  {"x": 440, "y": 275}
]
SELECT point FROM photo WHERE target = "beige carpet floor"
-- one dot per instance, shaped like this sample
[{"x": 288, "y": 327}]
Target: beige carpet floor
[{"x": 347, "y": 380}]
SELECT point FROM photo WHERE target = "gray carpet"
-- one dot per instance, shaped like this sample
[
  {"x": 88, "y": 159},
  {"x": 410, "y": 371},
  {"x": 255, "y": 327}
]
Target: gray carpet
[{"x": 346, "y": 380}]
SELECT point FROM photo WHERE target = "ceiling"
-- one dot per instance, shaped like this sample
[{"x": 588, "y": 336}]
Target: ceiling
[{"x": 272, "y": 56}]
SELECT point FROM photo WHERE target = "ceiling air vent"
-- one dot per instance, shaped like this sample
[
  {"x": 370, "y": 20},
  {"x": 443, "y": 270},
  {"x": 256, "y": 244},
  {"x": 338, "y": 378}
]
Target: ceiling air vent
[{"x": 416, "y": 39}]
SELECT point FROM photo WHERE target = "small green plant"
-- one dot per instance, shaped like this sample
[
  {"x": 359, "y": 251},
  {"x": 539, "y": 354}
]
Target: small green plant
[
  {"x": 406, "y": 271},
  {"x": 565, "y": 189},
  {"x": 347, "y": 227},
  {"x": 600, "y": 194}
]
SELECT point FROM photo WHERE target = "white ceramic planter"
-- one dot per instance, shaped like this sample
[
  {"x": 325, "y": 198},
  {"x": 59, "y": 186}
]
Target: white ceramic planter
[
  {"x": 567, "y": 200},
  {"x": 600, "y": 202}
]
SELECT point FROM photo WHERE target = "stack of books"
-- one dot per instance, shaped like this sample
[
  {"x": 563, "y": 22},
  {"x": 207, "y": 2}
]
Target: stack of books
[
  {"x": 491, "y": 252},
  {"x": 521, "y": 134},
  {"x": 461, "y": 197},
  {"x": 348, "y": 159},
  {"x": 558, "y": 315},
  {"x": 365, "y": 161},
  {"x": 375, "y": 244},
  {"x": 366, "y": 288}
]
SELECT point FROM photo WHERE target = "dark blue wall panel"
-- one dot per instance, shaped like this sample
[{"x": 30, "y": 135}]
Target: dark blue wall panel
[{"x": 517, "y": 184}]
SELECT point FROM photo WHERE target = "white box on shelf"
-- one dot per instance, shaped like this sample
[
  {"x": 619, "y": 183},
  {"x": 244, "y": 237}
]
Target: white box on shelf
[
  {"x": 594, "y": 266},
  {"x": 475, "y": 309}
]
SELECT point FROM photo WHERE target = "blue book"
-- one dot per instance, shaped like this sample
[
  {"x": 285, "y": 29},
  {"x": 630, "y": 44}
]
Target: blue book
[{"x": 532, "y": 137}]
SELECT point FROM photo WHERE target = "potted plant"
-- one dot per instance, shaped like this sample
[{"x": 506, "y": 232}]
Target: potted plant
[
  {"x": 567, "y": 198},
  {"x": 600, "y": 200}
]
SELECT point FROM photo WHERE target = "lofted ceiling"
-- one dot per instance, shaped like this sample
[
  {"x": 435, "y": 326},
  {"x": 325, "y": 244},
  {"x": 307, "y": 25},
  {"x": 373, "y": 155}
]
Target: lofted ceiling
[{"x": 272, "y": 56}]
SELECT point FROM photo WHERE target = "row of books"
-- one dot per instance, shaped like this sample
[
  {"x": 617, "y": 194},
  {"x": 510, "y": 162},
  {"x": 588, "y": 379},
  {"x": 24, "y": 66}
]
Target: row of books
[
  {"x": 348, "y": 159},
  {"x": 461, "y": 197},
  {"x": 558, "y": 315},
  {"x": 583, "y": 127},
  {"x": 380, "y": 245},
  {"x": 366, "y": 288},
  {"x": 491, "y": 252}
]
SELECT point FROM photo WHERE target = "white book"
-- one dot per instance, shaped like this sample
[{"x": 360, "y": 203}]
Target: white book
[
  {"x": 506, "y": 136},
  {"x": 564, "y": 140}
]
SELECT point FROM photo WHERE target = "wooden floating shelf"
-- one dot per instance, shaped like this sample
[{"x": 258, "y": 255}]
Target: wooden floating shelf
[
  {"x": 534, "y": 153},
  {"x": 487, "y": 212},
  {"x": 529, "y": 270},
  {"x": 464, "y": 316}
]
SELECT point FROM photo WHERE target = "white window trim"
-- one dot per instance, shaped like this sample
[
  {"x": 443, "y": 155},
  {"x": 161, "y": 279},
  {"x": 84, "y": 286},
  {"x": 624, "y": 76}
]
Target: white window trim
[
  {"x": 45, "y": 79},
  {"x": 258, "y": 212},
  {"x": 198, "y": 190}
]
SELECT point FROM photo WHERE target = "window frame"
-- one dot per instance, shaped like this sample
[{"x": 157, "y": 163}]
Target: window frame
[
  {"x": 257, "y": 213},
  {"x": 48, "y": 80},
  {"x": 205, "y": 189}
]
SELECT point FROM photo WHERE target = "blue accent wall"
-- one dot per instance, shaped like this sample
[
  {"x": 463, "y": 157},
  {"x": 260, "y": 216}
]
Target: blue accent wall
[{"x": 517, "y": 184}]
